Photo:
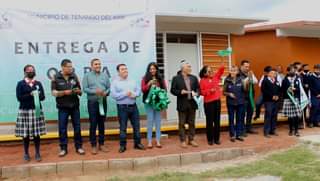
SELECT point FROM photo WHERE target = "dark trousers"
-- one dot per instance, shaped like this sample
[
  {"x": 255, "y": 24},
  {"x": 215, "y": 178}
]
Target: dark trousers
[
  {"x": 212, "y": 111},
  {"x": 270, "y": 117},
  {"x": 96, "y": 120},
  {"x": 259, "y": 104},
  {"x": 235, "y": 128},
  {"x": 315, "y": 110},
  {"x": 247, "y": 115},
  {"x": 125, "y": 113},
  {"x": 294, "y": 123},
  {"x": 187, "y": 117},
  {"x": 63, "y": 115}
]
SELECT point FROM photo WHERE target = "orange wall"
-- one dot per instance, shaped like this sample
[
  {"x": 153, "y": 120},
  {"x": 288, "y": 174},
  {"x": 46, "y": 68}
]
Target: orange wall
[{"x": 264, "y": 48}]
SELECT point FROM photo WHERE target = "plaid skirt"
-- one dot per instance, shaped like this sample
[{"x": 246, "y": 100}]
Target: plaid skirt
[
  {"x": 290, "y": 110},
  {"x": 28, "y": 125}
]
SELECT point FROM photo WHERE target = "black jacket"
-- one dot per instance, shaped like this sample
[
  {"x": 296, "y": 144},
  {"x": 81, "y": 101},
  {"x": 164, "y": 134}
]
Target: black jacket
[
  {"x": 286, "y": 84},
  {"x": 60, "y": 84},
  {"x": 270, "y": 89},
  {"x": 183, "y": 103},
  {"x": 237, "y": 88}
]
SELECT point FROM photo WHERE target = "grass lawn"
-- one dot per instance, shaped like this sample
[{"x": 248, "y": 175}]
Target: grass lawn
[{"x": 298, "y": 163}]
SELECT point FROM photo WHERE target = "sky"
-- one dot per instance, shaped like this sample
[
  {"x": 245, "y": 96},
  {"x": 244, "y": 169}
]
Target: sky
[{"x": 273, "y": 10}]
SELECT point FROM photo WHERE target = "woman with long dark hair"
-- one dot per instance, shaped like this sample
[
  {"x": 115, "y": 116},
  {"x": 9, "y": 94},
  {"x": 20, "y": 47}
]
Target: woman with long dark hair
[
  {"x": 211, "y": 92},
  {"x": 30, "y": 121},
  {"x": 151, "y": 78}
]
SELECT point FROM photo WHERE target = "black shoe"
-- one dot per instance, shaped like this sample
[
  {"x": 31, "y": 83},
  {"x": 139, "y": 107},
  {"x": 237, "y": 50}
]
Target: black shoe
[
  {"x": 232, "y": 139},
  {"x": 290, "y": 133},
  {"x": 310, "y": 125},
  {"x": 239, "y": 138},
  {"x": 210, "y": 143},
  {"x": 274, "y": 134},
  {"x": 26, "y": 157},
  {"x": 267, "y": 136},
  {"x": 122, "y": 149},
  {"x": 217, "y": 142},
  {"x": 38, "y": 157},
  {"x": 139, "y": 146}
]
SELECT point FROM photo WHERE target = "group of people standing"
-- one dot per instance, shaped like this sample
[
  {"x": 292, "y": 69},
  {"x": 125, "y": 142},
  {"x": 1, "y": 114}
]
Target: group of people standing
[{"x": 238, "y": 87}]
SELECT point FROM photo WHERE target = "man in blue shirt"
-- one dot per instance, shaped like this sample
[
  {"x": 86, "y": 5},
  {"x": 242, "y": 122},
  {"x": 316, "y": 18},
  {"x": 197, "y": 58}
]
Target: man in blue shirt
[
  {"x": 125, "y": 92},
  {"x": 97, "y": 86}
]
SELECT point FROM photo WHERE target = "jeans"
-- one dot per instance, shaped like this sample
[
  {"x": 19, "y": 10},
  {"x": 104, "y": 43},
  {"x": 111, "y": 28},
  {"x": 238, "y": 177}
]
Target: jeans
[
  {"x": 212, "y": 111},
  {"x": 247, "y": 115},
  {"x": 270, "y": 117},
  {"x": 63, "y": 115},
  {"x": 96, "y": 120},
  {"x": 126, "y": 112},
  {"x": 153, "y": 118},
  {"x": 235, "y": 128}
]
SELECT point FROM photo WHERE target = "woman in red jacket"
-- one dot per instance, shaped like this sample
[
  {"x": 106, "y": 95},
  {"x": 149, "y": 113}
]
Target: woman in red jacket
[{"x": 211, "y": 92}]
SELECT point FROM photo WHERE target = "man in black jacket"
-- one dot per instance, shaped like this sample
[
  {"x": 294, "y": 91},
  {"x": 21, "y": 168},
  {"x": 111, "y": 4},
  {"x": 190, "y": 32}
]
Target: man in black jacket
[
  {"x": 271, "y": 91},
  {"x": 66, "y": 88},
  {"x": 186, "y": 87}
]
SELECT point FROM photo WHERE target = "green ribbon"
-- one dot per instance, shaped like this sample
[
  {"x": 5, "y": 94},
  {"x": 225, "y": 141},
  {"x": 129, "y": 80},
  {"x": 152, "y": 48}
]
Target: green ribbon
[
  {"x": 101, "y": 106},
  {"x": 295, "y": 102},
  {"x": 251, "y": 96},
  {"x": 157, "y": 98},
  {"x": 36, "y": 101},
  {"x": 225, "y": 53}
]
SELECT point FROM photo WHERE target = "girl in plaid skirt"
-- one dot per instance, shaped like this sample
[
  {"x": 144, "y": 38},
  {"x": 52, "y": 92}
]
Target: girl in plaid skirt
[
  {"x": 291, "y": 96},
  {"x": 30, "y": 121}
]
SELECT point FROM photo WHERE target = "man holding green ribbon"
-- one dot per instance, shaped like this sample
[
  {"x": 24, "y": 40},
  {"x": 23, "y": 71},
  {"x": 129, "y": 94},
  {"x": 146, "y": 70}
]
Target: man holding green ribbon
[
  {"x": 96, "y": 85},
  {"x": 246, "y": 73}
]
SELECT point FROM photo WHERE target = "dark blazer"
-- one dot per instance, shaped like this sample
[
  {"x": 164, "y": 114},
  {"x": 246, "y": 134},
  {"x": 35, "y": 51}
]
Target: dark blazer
[
  {"x": 178, "y": 83},
  {"x": 23, "y": 93},
  {"x": 270, "y": 89},
  {"x": 286, "y": 84}
]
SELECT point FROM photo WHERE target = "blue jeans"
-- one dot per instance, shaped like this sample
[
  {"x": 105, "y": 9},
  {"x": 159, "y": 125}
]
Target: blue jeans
[
  {"x": 63, "y": 116},
  {"x": 235, "y": 128},
  {"x": 131, "y": 112},
  {"x": 96, "y": 120},
  {"x": 270, "y": 117},
  {"x": 153, "y": 118},
  {"x": 315, "y": 110}
]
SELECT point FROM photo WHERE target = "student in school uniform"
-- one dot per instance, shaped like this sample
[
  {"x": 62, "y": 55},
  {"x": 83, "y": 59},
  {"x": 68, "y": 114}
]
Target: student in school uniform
[
  {"x": 291, "y": 98},
  {"x": 29, "y": 125},
  {"x": 314, "y": 85},
  {"x": 270, "y": 89}
]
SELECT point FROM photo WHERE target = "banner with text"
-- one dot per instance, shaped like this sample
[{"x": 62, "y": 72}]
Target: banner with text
[{"x": 44, "y": 39}]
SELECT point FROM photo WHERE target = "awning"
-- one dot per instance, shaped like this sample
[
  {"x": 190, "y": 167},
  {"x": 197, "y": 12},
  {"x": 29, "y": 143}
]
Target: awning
[
  {"x": 202, "y": 23},
  {"x": 309, "y": 29}
]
